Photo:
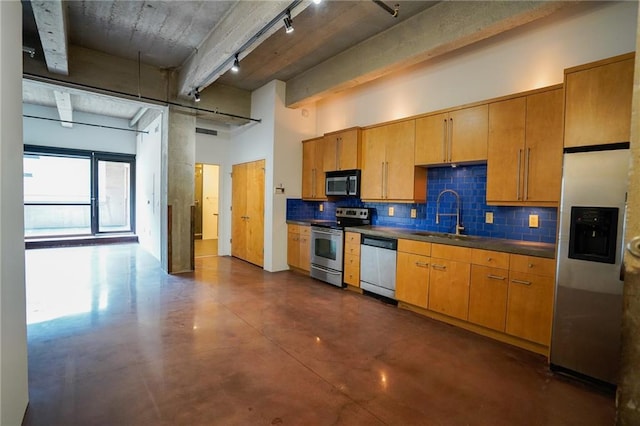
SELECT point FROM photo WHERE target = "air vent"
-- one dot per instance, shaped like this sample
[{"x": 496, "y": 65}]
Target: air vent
[{"x": 206, "y": 131}]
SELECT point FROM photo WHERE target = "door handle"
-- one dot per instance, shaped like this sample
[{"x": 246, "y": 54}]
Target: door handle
[
  {"x": 382, "y": 182},
  {"x": 521, "y": 282},
  {"x": 422, "y": 264},
  {"x": 495, "y": 277},
  {"x": 439, "y": 267},
  {"x": 518, "y": 180},
  {"x": 450, "y": 138},
  {"x": 526, "y": 173},
  {"x": 445, "y": 134}
]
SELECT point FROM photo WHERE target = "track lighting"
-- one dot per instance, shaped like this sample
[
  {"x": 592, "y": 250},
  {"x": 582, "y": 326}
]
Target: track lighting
[
  {"x": 288, "y": 23},
  {"x": 196, "y": 95},
  {"x": 236, "y": 65},
  {"x": 317, "y": 1}
]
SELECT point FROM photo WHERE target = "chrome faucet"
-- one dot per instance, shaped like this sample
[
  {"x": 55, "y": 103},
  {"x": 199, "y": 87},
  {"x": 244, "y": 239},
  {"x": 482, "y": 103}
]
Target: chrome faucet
[{"x": 456, "y": 214}]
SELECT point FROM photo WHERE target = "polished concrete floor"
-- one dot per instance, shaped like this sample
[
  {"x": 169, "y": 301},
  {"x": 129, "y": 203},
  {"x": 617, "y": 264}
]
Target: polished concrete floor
[{"x": 115, "y": 341}]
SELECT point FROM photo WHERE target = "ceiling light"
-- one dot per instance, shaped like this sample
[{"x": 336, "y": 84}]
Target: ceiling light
[
  {"x": 288, "y": 23},
  {"x": 317, "y": 1},
  {"x": 236, "y": 65},
  {"x": 196, "y": 95}
]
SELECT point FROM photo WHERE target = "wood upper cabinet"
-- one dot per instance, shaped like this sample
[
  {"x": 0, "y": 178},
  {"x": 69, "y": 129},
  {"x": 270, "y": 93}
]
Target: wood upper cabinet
[
  {"x": 412, "y": 272},
  {"x": 524, "y": 163},
  {"x": 449, "y": 280},
  {"x": 387, "y": 164},
  {"x": 343, "y": 150},
  {"x": 530, "y": 298},
  {"x": 598, "y": 102},
  {"x": 313, "y": 169},
  {"x": 457, "y": 136}
]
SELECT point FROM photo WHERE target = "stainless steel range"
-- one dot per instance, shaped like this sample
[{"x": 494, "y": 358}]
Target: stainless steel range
[{"x": 327, "y": 243}]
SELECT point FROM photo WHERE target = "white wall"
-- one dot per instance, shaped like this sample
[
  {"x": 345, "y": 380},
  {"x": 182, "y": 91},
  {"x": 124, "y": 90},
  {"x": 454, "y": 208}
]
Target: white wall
[
  {"x": 51, "y": 133},
  {"x": 13, "y": 329},
  {"x": 529, "y": 57},
  {"x": 148, "y": 187}
]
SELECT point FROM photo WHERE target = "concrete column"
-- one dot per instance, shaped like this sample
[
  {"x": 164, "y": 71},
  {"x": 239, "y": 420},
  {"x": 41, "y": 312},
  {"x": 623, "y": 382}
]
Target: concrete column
[
  {"x": 628, "y": 398},
  {"x": 181, "y": 153},
  {"x": 13, "y": 331}
]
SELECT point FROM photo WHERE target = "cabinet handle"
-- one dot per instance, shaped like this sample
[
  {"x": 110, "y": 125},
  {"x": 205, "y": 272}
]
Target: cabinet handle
[
  {"x": 521, "y": 282},
  {"x": 338, "y": 153},
  {"x": 488, "y": 259},
  {"x": 313, "y": 183},
  {"x": 445, "y": 134},
  {"x": 450, "y": 138},
  {"x": 518, "y": 180},
  {"x": 526, "y": 173},
  {"x": 382, "y": 182},
  {"x": 386, "y": 180},
  {"x": 439, "y": 267},
  {"x": 530, "y": 265},
  {"x": 495, "y": 277},
  {"x": 422, "y": 264}
]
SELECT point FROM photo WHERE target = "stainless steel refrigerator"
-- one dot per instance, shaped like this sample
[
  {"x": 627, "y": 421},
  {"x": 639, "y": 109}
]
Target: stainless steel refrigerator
[{"x": 588, "y": 304}]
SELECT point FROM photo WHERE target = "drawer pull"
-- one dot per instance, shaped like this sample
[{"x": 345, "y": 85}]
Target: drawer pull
[
  {"x": 422, "y": 264},
  {"x": 489, "y": 259},
  {"x": 439, "y": 267},
  {"x": 495, "y": 277},
  {"x": 521, "y": 282},
  {"x": 530, "y": 265}
]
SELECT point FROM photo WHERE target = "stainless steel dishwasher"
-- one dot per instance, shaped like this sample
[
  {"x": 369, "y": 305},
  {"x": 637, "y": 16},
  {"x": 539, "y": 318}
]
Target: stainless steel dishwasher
[{"x": 378, "y": 265}]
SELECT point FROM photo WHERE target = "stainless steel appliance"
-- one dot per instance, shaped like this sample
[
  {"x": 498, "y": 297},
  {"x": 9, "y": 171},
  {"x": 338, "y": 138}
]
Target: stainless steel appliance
[
  {"x": 327, "y": 243},
  {"x": 378, "y": 265},
  {"x": 588, "y": 305},
  {"x": 343, "y": 183}
]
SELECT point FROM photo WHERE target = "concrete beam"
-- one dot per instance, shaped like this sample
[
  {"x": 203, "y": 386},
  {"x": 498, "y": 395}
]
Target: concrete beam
[
  {"x": 65, "y": 110},
  {"x": 51, "y": 19},
  {"x": 445, "y": 27},
  {"x": 215, "y": 55}
]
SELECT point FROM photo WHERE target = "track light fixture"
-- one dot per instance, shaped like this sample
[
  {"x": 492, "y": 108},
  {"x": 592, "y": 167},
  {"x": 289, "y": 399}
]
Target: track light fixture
[
  {"x": 236, "y": 65},
  {"x": 288, "y": 22},
  {"x": 196, "y": 95}
]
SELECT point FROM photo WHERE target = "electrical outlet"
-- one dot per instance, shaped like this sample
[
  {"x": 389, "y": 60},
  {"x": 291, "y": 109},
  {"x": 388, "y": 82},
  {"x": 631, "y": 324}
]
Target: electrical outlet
[
  {"x": 391, "y": 211},
  {"x": 321, "y": 207},
  {"x": 488, "y": 217},
  {"x": 533, "y": 221},
  {"x": 414, "y": 213}
]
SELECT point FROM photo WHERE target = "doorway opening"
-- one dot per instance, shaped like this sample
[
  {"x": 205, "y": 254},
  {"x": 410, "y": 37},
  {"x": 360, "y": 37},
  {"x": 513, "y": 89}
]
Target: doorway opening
[{"x": 207, "y": 199}]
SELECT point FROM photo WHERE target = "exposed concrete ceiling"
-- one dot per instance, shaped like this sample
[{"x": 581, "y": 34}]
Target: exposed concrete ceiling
[{"x": 199, "y": 39}]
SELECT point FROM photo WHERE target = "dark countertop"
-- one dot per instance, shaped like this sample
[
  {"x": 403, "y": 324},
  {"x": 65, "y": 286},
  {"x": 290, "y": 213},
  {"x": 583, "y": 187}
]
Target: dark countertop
[{"x": 528, "y": 248}]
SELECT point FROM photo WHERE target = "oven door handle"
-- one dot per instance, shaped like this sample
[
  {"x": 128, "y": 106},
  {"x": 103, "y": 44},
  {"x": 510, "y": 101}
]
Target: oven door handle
[
  {"x": 316, "y": 231},
  {"x": 328, "y": 271}
]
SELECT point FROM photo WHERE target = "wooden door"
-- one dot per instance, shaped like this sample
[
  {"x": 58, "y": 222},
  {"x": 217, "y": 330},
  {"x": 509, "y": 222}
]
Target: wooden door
[
  {"x": 308, "y": 169},
  {"x": 598, "y": 102},
  {"x": 431, "y": 139},
  {"x": 449, "y": 287},
  {"x": 412, "y": 279},
  {"x": 506, "y": 150},
  {"x": 239, "y": 210},
  {"x": 373, "y": 162},
  {"x": 488, "y": 297},
  {"x": 543, "y": 157},
  {"x": 400, "y": 160},
  {"x": 255, "y": 212},
  {"x": 468, "y": 134},
  {"x": 349, "y": 149}
]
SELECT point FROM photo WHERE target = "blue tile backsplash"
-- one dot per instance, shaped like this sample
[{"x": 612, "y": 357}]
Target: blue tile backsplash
[{"x": 471, "y": 183}]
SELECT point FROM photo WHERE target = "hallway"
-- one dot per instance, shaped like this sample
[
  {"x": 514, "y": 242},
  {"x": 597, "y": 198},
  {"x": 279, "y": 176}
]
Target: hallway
[{"x": 113, "y": 340}]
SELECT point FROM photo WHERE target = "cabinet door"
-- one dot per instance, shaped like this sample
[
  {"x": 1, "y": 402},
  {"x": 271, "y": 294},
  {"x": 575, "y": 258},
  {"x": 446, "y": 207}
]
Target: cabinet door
[
  {"x": 412, "y": 279},
  {"x": 399, "y": 171},
  {"x": 530, "y": 307},
  {"x": 293, "y": 247},
  {"x": 598, "y": 104},
  {"x": 543, "y": 156},
  {"x": 373, "y": 162},
  {"x": 239, "y": 210},
  {"x": 255, "y": 212},
  {"x": 431, "y": 139},
  {"x": 329, "y": 154},
  {"x": 304, "y": 249},
  {"x": 308, "y": 169},
  {"x": 352, "y": 269},
  {"x": 449, "y": 288},
  {"x": 468, "y": 134},
  {"x": 488, "y": 297},
  {"x": 505, "y": 152},
  {"x": 349, "y": 149}
]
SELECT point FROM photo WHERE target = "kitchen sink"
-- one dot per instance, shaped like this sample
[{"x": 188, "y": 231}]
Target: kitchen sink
[{"x": 443, "y": 235}]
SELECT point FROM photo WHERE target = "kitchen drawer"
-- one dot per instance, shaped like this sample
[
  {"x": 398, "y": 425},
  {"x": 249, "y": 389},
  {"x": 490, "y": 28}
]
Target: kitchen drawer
[
  {"x": 459, "y": 254},
  {"x": 415, "y": 247},
  {"x": 352, "y": 269},
  {"x": 532, "y": 265},
  {"x": 295, "y": 229},
  {"x": 493, "y": 259},
  {"x": 304, "y": 230},
  {"x": 352, "y": 238},
  {"x": 352, "y": 248}
]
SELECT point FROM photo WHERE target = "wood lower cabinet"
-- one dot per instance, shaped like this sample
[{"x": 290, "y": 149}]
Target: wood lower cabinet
[
  {"x": 530, "y": 298},
  {"x": 598, "y": 102},
  {"x": 488, "y": 297},
  {"x": 524, "y": 165},
  {"x": 449, "y": 280},
  {"x": 299, "y": 247},
  {"x": 412, "y": 272},
  {"x": 456, "y": 136},
  {"x": 351, "y": 273}
]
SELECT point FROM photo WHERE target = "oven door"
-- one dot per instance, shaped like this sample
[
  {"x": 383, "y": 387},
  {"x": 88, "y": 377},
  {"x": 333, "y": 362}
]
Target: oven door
[{"x": 327, "y": 247}]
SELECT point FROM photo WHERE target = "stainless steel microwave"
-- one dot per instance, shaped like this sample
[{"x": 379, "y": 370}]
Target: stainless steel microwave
[{"x": 343, "y": 183}]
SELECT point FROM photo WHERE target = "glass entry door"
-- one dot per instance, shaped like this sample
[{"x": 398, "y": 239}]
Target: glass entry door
[{"x": 113, "y": 193}]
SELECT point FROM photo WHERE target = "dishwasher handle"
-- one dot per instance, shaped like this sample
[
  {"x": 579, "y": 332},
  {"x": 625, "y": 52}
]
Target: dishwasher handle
[{"x": 380, "y": 242}]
